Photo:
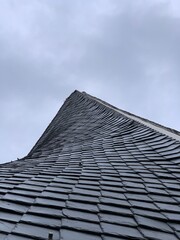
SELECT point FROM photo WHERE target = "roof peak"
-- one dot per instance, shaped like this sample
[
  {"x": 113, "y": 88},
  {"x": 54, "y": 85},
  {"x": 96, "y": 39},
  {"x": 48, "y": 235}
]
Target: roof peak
[{"x": 78, "y": 100}]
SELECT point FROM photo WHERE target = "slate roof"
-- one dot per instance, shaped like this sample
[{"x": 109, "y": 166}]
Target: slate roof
[{"x": 97, "y": 173}]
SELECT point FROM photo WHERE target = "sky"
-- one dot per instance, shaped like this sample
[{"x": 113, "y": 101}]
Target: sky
[{"x": 125, "y": 52}]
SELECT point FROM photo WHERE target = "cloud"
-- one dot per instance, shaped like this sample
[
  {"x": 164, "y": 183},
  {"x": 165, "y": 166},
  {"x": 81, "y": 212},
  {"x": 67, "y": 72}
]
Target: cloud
[
  {"x": 125, "y": 52},
  {"x": 136, "y": 58}
]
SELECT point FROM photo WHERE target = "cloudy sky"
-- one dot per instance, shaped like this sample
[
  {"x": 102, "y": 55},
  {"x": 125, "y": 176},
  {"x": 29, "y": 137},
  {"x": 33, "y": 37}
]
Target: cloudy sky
[{"x": 125, "y": 52}]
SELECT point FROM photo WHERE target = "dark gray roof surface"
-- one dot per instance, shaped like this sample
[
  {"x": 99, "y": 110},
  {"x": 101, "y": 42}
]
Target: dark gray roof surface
[{"x": 95, "y": 174}]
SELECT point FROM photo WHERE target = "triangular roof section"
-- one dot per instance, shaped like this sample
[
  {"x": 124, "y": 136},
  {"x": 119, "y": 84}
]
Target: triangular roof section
[
  {"x": 155, "y": 126},
  {"x": 97, "y": 173},
  {"x": 172, "y": 133}
]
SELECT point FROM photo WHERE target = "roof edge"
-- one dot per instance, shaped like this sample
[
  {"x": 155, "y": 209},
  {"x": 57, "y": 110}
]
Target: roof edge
[
  {"x": 172, "y": 133},
  {"x": 48, "y": 128}
]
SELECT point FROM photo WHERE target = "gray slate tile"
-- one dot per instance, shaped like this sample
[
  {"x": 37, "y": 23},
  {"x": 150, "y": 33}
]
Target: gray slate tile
[
  {"x": 121, "y": 231},
  {"x": 35, "y": 231},
  {"x": 67, "y": 234}
]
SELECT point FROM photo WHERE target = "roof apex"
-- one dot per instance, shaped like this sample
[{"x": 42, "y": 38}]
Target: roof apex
[{"x": 76, "y": 95}]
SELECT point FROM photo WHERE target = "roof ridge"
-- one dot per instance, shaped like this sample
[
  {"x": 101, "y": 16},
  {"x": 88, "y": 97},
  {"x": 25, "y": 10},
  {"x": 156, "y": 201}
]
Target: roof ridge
[{"x": 172, "y": 133}]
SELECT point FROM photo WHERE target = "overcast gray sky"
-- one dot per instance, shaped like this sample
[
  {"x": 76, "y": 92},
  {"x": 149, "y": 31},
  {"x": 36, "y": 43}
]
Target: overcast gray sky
[{"x": 125, "y": 52}]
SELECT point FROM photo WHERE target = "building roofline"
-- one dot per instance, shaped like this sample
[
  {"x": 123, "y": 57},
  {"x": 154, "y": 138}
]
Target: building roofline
[{"x": 172, "y": 133}]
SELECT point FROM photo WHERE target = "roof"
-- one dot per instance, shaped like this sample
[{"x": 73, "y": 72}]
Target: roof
[{"x": 97, "y": 173}]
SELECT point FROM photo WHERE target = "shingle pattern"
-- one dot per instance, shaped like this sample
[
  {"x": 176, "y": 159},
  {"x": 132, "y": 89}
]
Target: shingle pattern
[{"x": 95, "y": 174}]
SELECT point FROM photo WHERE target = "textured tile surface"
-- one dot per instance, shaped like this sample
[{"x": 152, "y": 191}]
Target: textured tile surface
[{"x": 97, "y": 173}]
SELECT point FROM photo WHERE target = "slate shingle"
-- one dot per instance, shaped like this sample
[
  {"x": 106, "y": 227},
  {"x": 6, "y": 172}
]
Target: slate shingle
[
  {"x": 35, "y": 231},
  {"x": 81, "y": 226},
  {"x": 158, "y": 235},
  {"x": 121, "y": 231},
  {"x": 117, "y": 219},
  {"x": 80, "y": 215},
  {"x": 68, "y": 234},
  {"x": 46, "y": 221},
  {"x": 152, "y": 223},
  {"x": 6, "y": 226}
]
